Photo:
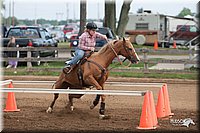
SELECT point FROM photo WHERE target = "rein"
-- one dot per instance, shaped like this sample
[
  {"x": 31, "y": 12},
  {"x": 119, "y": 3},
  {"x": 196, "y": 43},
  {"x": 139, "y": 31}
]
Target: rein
[{"x": 115, "y": 53}]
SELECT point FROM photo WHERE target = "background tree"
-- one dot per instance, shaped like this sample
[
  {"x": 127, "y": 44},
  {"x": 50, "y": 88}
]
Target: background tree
[
  {"x": 123, "y": 20},
  {"x": 82, "y": 16},
  {"x": 184, "y": 12},
  {"x": 110, "y": 14}
]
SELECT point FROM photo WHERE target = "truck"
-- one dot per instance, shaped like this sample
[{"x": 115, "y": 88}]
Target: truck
[{"x": 32, "y": 36}]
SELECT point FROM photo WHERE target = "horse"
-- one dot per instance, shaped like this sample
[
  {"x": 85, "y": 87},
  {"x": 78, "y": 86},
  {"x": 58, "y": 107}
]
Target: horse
[{"x": 94, "y": 73}]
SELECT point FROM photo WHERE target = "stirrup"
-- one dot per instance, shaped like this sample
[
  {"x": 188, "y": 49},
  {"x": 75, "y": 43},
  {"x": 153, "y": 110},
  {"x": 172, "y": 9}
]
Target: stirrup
[
  {"x": 66, "y": 70},
  {"x": 70, "y": 69}
]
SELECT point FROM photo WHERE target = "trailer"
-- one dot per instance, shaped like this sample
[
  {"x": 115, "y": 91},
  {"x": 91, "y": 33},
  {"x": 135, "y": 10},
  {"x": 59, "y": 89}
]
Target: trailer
[{"x": 146, "y": 28}]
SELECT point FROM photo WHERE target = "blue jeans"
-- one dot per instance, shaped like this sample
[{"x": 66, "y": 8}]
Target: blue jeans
[{"x": 79, "y": 53}]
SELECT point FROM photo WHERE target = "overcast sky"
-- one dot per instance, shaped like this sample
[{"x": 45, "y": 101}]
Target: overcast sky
[{"x": 62, "y": 9}]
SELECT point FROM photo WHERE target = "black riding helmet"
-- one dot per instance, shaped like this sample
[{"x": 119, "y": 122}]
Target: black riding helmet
[{"x": 91, "y": 26}]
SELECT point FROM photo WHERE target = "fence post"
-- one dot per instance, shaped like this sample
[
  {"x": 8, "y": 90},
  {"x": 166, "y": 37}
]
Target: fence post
[
  {"x": 29, "y": 64},
  {"x": 145, "y": 58}
]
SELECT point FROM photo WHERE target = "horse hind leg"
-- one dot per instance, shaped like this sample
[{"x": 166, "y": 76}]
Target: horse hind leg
[
  {"x": 50, "y": 109},
  {"x": 70, "y": 103}
]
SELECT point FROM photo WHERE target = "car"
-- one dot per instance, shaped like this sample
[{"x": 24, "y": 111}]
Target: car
[
  {"x": 99, "y": 42},
  {"x": 57, "y": 33},
  {"x": 70, "y": 35}
]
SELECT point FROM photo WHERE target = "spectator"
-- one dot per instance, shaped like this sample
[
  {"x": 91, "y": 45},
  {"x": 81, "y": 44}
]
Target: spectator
[
  {"x": 12, "y": 63},
  {"x": 4, "y": 30}
]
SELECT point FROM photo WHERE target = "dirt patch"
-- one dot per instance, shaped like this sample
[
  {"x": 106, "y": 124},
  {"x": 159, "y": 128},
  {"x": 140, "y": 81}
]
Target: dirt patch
[{"x": 125, "y": 111}]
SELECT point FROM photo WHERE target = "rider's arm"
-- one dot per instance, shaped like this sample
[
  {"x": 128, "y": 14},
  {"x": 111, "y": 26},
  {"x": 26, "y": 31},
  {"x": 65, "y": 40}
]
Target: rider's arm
[
  {"x": 99, "y": 35},
  {"x": 83, "y": 44}
]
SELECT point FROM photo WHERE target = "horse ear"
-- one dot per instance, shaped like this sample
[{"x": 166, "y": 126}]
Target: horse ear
[{"x": 124, "y": 39}]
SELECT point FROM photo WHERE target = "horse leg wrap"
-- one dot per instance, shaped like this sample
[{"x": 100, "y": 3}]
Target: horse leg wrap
[
  {"x": 96, "y": 101},
  {"x": 102, "y": 108}
]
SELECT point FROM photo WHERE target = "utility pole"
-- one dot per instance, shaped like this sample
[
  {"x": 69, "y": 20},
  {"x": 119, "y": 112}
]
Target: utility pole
[
  {"x": 35, "y": 11},
  {"x": 13, "y": 20},
  {"x": 67, "y": 12},
  {"x": 98, "y": 16},
  {"x": 10, "y": 18},
  {"x": 74, "y": 11}
]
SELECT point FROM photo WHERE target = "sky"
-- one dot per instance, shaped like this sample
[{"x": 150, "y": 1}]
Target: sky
[{"x": 63, "y": 9}]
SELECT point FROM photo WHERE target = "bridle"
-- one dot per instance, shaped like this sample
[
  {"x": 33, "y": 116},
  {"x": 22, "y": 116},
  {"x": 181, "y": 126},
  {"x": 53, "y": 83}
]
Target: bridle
[
  {"x": 127, "y": 49},
  {"x": 115, "y": 53}
]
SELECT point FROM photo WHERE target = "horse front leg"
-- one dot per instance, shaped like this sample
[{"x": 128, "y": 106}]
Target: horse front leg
[
  {"x": 91, "y": 80},
  {"x": 95, "y": 102}
]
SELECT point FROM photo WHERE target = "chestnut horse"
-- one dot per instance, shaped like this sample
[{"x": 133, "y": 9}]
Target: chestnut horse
[{"x": 95, "y": 72}]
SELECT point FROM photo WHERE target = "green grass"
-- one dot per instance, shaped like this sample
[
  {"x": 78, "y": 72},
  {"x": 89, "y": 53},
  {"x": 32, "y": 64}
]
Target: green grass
[
  {"x": 63, "y": 45},
  {"x": 46, "y": 72},
  {"x": 192, "y": 76}
]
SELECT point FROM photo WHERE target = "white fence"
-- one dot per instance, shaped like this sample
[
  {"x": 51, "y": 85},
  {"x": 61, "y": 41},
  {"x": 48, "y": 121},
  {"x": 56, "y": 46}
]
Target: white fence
[{"x": 76, "y": 91}]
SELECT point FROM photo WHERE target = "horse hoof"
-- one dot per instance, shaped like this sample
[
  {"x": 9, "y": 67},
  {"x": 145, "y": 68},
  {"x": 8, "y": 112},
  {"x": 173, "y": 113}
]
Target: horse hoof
[
  {"x": 104, "y": 117},
  {"x": 72, "y": 108},
  {"x": 92, "y": 106},
  {"x": 49, "y": 110}
]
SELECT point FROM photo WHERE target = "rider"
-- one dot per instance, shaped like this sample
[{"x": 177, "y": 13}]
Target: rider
[{"x": 87, "y": 42}]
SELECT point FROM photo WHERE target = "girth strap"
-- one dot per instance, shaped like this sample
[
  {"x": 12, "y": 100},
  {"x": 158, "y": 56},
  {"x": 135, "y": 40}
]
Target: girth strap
[{"x": 103, "y": 70}]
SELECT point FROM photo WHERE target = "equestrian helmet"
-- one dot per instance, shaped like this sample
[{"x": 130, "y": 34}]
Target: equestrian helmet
[{"x": 91, "y": 26}]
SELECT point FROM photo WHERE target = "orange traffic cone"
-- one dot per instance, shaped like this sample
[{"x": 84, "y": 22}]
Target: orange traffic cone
[
  {"x": 168, "y": 112},
  {"x": 160, "y": 107},
  {"x": 155, "y": 45},
  {"x": 174, "y": 44},
  {"x": 146, "y": 116},
  {"x": 153, "y": 110},
  {"x": 11, "y": 103}
]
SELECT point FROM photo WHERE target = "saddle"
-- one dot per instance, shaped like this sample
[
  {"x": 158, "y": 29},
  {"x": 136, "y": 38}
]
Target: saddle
[
  {"x": 80, "y": 71},
  {"x": 81, "y": 61}
]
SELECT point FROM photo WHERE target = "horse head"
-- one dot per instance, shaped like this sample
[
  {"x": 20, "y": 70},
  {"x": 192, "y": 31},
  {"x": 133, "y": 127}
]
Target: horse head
[{"x": 128, "y": 51}]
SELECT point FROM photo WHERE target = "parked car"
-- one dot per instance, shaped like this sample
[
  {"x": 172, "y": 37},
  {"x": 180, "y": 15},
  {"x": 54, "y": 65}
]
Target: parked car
[
  {"x": 57, "y": 33},
  {"x": 99, "y": 42},
  {"x": 32, "y": 36},
  {"x": 69, "y": 35}
]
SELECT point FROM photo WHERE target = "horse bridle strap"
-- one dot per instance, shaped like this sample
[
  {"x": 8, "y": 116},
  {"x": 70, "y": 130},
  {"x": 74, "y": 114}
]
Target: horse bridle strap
[{"x": 115, "y": 53}]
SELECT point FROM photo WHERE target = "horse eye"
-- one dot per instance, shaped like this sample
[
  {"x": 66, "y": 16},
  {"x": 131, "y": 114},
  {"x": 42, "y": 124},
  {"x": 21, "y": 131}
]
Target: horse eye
[{"x": 130, "y": 49}]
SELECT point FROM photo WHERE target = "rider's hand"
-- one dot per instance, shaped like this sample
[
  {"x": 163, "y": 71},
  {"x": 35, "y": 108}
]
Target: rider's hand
[
  {"x": 105, "y": 37},
  {"x": 92, "y": 49}
]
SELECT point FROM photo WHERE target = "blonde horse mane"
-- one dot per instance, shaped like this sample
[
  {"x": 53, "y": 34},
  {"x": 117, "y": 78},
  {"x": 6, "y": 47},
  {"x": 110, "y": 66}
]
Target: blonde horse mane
[{"x": 105, "y": 47}]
